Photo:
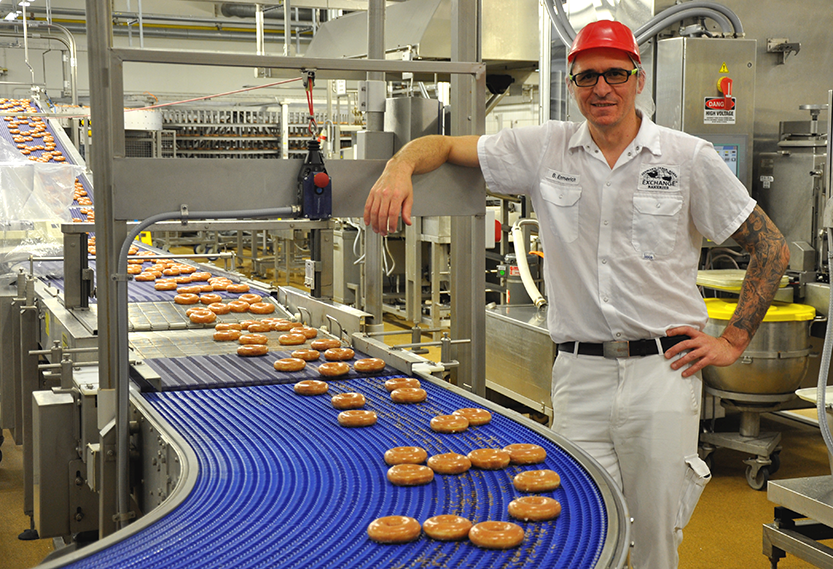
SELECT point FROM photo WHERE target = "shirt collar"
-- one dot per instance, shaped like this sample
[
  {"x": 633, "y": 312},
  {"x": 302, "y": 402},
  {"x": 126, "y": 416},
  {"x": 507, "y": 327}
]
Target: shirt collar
[{"x": 647, "y": 137}]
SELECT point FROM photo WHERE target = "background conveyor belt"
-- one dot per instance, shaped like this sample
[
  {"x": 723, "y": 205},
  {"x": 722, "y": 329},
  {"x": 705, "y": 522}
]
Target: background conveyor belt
[{"x": 281, "y": 484}]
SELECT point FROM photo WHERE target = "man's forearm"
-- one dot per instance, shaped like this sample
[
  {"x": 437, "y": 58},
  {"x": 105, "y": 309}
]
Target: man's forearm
[{"x": 769, "y": 257}]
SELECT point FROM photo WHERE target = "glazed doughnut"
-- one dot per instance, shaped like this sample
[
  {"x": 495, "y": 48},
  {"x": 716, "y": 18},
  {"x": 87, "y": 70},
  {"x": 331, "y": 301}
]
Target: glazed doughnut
[
  {"x": 408, "y": 395},
  {"x": 188, "y": 290},
  {"x": 211, "y": 298},
  {"x": 134, "y": 269},
  {"x": 357, "y": 418},
  {"x": 291, "y": 339},
  {"x": 339, "y": 354},
  {"x": 186, "y": 298},
  {"x": 475, "y": 416},
  {"x": 262, "y": 308},
  {"x": 253, "y": 339},
  {"x": 447, "y": 527},
  {"x": 369, "y": 365},
  {"x": 489, "y": 458},
  {"x": 238, "y": 306},
  {"x": 246, "y": 323},
  {"x": 405, "y": 455},
  {"x": 196, "y": 308},
  {"x": 333, "y": 369},
  {"x": 534, "y": 508},
  {"x": 348, "y": 401},
  {"x": 219, "y": 308},
  {"x": 228, "y": 326},
  {"x": 226, "y": 335},
  {"x": 311, "y": 387},
  {"x": 186, "y": 270},
  {"x": 218, "y": 284},
  {"x": 289, "y": 364},
  {"x": 238, "y": 288},
  {"x": 200, "y": 276},
  {"x": 397, "y": 382},
  {"x": 306, "y": 355},
  {"x": 449, "y": 423},
  {"x": 144, "y": 277},
  {"x": 449, "y": 463},
  {"x": 252, "y": 350},
  {"x": 393, "y": 529},
  {"x": 410, "y": 475},
  {"x": 325, "y": 344},
  {"x": 182, "y": 279},
  {"x": 250, "y": 298},
  {"x": 259, "y": 327},
  {"x": 202, "y": 317},
  {"x": 537, "y": 481},
  {"x": 496, "y": 535},
  {"x": 282, "y": 326},
  {"x": 172, "y": 272},
  {"x": 204, "y": 287},
  {"x": 523, "y": 453},
  {"x": 165, "y": 285},
  {"x": 307, "y": 331}
]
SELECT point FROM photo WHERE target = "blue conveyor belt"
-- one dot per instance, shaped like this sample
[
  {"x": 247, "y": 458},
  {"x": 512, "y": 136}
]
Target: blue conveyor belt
[
  {"x": 228, "y": 370},
  {"x": 281, "y": 484}
]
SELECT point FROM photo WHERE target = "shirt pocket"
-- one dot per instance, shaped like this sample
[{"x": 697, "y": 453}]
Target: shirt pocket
[
  {"x": 562, "y": 206},
  {"x": 656, "y": 216}
]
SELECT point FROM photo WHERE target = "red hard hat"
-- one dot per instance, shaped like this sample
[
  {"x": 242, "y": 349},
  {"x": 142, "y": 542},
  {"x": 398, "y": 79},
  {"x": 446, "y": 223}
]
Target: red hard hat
[{"x": 605, "y": 33}]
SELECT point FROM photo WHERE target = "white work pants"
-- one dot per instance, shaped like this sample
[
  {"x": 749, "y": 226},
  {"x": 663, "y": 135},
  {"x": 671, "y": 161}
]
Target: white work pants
[{"x": 640, "y": 420}]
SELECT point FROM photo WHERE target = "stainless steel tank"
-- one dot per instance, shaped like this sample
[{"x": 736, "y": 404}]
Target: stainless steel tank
[{"x": 777, "y": 358}]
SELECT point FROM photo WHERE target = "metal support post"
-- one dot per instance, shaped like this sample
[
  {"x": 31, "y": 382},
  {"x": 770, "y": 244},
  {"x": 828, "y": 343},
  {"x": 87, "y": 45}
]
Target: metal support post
[
  {"x": 29, "y": 380},
  {"x": 468, "y": 247},
  {"x": 106, "y": 89}
]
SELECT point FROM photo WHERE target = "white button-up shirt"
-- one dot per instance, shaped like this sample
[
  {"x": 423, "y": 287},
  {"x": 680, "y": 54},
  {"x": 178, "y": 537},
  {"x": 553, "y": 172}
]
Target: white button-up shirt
[{"x": 622, "y": 245}]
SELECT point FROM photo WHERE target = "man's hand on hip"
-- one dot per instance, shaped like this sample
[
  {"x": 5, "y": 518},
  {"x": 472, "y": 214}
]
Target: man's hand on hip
[{"x": 703, "y": 350}]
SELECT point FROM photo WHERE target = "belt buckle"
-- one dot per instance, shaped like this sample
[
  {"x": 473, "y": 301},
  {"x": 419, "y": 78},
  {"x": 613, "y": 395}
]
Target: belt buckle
[{"x": 618, "y": 349}]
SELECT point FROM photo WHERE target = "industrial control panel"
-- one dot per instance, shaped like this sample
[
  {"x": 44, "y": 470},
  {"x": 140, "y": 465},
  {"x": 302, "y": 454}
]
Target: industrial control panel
[{"x": 706, "y": 87}]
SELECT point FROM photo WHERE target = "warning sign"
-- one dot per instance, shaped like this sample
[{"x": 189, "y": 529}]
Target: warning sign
[
  {"x": 724, "y": 68},
  {"x": 719, "y": 110}
]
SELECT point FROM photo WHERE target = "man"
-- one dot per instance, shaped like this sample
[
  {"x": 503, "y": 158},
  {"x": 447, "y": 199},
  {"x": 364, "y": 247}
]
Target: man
[{"x": 623, "y": 206}]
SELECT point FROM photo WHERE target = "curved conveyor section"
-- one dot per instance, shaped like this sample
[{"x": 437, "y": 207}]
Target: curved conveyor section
[{"x": 280, "y": 484}]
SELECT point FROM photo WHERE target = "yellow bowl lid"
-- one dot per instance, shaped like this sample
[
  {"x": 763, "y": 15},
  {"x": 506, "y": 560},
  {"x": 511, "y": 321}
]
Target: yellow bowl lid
[{"x": 723, "y": 308}]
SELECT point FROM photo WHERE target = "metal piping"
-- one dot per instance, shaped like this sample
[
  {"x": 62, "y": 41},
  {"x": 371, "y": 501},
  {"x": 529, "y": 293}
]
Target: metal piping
[
  {"x": 185, "y": 34},
  {"x": 714, "y": 6},
  {"x": 655, "y": 26},
  {"x": 231, "y": 10}
]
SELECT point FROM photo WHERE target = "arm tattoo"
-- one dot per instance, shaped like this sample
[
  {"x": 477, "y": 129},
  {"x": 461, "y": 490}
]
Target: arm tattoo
[{"x": 769, "y": 256}]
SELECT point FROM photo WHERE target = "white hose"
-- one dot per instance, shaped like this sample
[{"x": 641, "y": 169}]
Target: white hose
[
  {"x": 821, "y": 388},
  {"x": 520, "y": 254},
  {"x": 725, "y": 18}
]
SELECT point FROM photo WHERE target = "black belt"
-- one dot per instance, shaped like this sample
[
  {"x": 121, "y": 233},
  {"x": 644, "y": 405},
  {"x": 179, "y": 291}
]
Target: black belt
[{"x": 622, "y": 349}]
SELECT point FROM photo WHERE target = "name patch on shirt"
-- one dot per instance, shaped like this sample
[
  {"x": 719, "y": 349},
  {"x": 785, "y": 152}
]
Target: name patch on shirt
[
  {"x": 562, "y": 178},
  {"x": 659, "y": 178}
]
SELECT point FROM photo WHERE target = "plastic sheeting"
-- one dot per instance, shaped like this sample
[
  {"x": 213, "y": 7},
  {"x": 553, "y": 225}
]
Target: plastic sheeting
[{"x": 34, "y": 201}]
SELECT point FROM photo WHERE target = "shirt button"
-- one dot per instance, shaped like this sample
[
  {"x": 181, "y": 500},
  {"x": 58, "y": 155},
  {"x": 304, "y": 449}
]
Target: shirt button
[
  {"x": 636, "y": 148},
  {"x": 659, "y": 206},
  {"x": 618, "y": 334},
  {"x": 604, "y": 261},
  {"x": 607, "y": 183},
  {"x": 630, "y": 154},
  {"x": 605, "y": 222},
  {"x": 605, "y": 299}
]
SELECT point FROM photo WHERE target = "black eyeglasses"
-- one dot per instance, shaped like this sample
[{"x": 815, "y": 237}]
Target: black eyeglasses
[{"x": 612, "y": 77}]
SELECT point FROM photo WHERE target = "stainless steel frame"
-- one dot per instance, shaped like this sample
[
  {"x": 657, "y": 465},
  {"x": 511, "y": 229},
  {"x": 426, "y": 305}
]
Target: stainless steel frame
[{"x": 114, "y": 173}]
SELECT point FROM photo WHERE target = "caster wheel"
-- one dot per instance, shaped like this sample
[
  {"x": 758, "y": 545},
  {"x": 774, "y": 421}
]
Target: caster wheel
[
  {"x": 776, "y": 462},
  {"x": 199, "y": 249},
  {"x": 759, "y": 480},
  {"x": 709, "y": 460}
]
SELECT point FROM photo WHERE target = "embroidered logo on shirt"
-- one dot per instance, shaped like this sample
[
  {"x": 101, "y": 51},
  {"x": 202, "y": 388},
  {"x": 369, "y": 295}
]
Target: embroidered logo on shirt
[
  {"x": 562, "y": 178},
  {"x": 659, "y": 178}
]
